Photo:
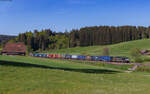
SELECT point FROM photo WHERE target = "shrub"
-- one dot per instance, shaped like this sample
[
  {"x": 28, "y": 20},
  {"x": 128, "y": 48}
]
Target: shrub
[
  {"x": 29, "y": 50},
  {"x": 105, "y": 51},
  {"x": 143, "y": 69},
  {"x": 136, "y": 55}
]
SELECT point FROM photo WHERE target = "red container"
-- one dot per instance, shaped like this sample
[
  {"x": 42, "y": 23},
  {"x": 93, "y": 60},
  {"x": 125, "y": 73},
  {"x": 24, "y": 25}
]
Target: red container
[
  {"x": 59, "y": 56},
  {"x": 49, "y": 56},
  {"x": 56, "y": 56},
  {"x": 53, "y": 56}
]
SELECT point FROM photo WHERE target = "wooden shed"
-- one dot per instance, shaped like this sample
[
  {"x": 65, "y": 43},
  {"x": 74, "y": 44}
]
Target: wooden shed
[{"x": 14, "y": 49}]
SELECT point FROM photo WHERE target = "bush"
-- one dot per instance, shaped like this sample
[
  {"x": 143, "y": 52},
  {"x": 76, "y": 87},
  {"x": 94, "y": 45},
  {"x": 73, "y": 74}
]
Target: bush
[
  {"x": 136, "y": 55},
  {"x": 29, "y": 50},
  {"x": 143, "y": 69},
  {"x": 105, "y": 51}
]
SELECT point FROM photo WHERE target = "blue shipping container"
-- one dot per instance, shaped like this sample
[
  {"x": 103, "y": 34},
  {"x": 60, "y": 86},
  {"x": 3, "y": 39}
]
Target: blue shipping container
[
  {"x": 81, "y": 57},
  {"x": 96, "y": 58},
  {"x": 36, "y": 55},
  {"x": 44, "y": 55},
  {"x": 68, "y": 56},
  {"x": 106, "y": 58},
  {"x": 33, "y": 55},
  {"x": 39, "y": 55}
]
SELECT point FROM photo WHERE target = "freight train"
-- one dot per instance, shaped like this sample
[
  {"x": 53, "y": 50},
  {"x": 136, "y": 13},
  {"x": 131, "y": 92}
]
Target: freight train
[{"x": 120, "y": 59}]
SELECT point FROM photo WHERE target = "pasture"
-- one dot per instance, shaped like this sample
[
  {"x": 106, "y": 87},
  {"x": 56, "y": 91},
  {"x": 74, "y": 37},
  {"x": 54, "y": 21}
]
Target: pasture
[
  {"x": 28, "y": 75},
  {"x": 120, "y": 49}
]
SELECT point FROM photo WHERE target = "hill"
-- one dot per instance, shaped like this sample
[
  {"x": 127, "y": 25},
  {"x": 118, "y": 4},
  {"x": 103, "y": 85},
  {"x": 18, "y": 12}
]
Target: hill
[
  {"x": 121, "y": 49},
  {"x": 28, "y": 75},
  {"x": 5, "y": 38}
]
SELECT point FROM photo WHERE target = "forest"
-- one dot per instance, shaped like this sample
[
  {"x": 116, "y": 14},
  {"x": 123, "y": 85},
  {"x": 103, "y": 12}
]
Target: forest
[
  {"x": 86, "y": 36},
  {"x": 5, "y": 38}
]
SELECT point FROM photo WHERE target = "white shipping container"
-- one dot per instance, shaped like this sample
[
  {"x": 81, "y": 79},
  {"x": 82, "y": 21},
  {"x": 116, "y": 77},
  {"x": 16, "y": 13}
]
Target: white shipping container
[{"x": 74, "y": 56}]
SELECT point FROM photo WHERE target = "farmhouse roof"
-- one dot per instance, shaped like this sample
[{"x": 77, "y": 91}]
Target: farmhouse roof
[{"x": 14, "y": 47}]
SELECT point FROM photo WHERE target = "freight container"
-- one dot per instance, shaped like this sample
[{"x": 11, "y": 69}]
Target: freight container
[
  {"x": 50, "y": 56},
  {"x": 34, "y": 55},
  {"x": 121, "y": 59},
  {"x": 53, "y": 55},
  {"x": 44, "y": 55},
  {"x": 56, "y": 55},
  {"x": 59, "y": 56},
  {"x": 41, "y": 55},
  {"x": 63, "y": 56},
  {"x": 74, "y": 57},
  {"x": 68, "y": 56},
  {"x": 106, "y": 58},
  {"x": 88, "y": 58},
  {"x": 96, "y": 58},
  {"x": 38, "y": 55},
  {"x": 81, "y": 57}
]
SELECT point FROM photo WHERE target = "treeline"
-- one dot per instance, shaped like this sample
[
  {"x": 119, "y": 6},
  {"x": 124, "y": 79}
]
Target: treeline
[
  {"x": 87, "y": 36},
  {"x": 43, "y": 40},
  {"x": 5, "y": 38},
  {"x": 104, "y": 35}
]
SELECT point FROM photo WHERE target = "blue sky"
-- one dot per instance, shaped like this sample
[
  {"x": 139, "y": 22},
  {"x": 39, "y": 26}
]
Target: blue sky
[{"x": 18, "y": 16}]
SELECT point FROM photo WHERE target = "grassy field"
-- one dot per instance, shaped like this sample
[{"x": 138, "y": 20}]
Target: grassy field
[
  {"x": 28, "y": 75},
  {"x": 121, "y": 49}
]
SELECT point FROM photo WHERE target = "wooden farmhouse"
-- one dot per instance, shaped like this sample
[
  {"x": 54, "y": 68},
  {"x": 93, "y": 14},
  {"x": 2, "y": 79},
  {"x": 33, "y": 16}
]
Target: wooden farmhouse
[{"x": 14, "y": 49}]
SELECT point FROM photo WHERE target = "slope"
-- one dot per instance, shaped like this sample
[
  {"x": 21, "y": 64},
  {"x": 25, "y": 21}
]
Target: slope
[{"x": 121, "y": 49}]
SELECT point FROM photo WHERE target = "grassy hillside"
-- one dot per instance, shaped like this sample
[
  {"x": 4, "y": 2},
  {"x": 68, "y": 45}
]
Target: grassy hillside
[
  {"x": 28, "y": 75},
  {"x": 121, "y": 49}
]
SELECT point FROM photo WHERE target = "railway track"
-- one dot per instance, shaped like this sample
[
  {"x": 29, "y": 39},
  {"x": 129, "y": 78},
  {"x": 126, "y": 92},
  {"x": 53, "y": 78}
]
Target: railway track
[
  {"x": 114, "y": 63},
  {"x": 135, "y": 65}
]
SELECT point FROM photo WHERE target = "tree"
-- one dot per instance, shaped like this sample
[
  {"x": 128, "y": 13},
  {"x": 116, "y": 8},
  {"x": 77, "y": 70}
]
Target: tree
[
  {"x": 105, "y": 51},
  {"x": 136, "y": 55},
  {"x": 86, "y": 36}
]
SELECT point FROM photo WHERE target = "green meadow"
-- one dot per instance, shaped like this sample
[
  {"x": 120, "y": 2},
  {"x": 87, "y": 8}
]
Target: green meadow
[
  {"x": 29, "y": 75},
  {"x": 120, "y": 49}
]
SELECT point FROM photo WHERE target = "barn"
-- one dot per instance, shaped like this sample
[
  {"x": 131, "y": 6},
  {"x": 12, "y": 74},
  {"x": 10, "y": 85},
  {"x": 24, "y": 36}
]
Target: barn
[{"x": 14, "y": 49}]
